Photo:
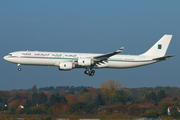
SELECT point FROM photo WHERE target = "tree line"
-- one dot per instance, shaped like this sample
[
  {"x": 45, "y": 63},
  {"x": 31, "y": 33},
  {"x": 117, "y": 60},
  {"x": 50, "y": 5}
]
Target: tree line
[{"x": 109, "y": 99}]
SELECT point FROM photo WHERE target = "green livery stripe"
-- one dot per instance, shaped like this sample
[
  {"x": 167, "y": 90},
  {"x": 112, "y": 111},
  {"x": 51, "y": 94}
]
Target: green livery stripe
[{"x": 76, "y": 59}]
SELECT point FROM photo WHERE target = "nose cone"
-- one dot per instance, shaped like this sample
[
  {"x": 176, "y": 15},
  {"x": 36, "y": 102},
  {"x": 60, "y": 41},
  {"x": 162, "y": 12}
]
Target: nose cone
[{"x": 5, "y": 57}]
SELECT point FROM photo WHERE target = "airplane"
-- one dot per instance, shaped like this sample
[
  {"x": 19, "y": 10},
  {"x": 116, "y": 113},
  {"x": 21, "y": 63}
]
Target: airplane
[{"x": 67, "y": 61}]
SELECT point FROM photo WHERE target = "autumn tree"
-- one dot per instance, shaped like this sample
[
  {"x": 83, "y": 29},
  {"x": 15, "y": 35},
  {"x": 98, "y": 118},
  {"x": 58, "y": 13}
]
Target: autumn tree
[
  {"x": 71, "y": 99},
  {"x": 134, "y": 110},
  {"x": 56, "y": 108},
  {"x": 87, "y": 97},
  {"x": 119, "y": 108},
  {"x": 15, "y": 103},
  {"x": 110, "y": 87},
  {"x": 38, "y": 109},
  {"x": 84, "y": 91}
]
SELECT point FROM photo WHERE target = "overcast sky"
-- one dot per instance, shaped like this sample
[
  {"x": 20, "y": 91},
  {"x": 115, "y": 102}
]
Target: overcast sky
[{"x": 94, "y": 26}]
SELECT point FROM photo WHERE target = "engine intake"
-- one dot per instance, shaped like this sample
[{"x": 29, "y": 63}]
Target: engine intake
[
  {"x": 85, "y": 62},
  {"x": 66, "y": 65}
]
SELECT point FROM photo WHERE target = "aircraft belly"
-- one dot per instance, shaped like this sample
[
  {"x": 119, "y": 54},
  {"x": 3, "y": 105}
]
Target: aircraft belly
[{"x": 123, "y": 64}]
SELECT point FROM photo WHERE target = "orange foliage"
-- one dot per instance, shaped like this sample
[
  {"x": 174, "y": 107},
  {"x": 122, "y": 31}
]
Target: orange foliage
[
  {"x": 119, "y": 108},
  {"x": 133, "y": 110},
  {"x": 149, "y": 104},
  {"x": 39, "y": 107},
  {"x": 15, "y": 103},
  {"x": 71, "y": 99},
  {"x": 58, "y": 105},
  {"x": 94, "y": 90},
  {"x": 128, "y": 103},
  {"x": 22, "y": 95},
  {"x": 166, "y": 100},
  {"x": 18, "y": 110},
  {"x": 57, "y": 108},
  {"x": 23, "y": 101},
  {"x": 102, "y": 113}
]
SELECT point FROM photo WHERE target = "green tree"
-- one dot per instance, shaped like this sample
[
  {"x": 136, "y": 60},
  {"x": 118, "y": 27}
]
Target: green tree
[
  {"x": 83, "y": 91},
  {"x": 5, "y": 102},
  {"x": 52, "y": 100},
  {"x": 42, "y": 98},
  {"x": 108, "y": 111},
  {"x": 117, "y": 98},
  {"x": 151, "y": 113},
  {"x": 34, "y": 89},
  {"x": 175, "y": 99},
  {"x": 100, "y": 100},
  {"x": 12, "y": 110},
  {"x": 161, "y": 95},
  {"x": 152, "y": 96},
  {"x": 174, "y": 112},
  {"x": 79, "y": 107},
  {"x": 164, "y": 111},
  {"x": 16, "y": 97},
  {"x": 28, "y": 104},
  {"x": 71, "y": 92},
  {"x": 56, "y": 98},
  {"x": 35, "y": 98}
]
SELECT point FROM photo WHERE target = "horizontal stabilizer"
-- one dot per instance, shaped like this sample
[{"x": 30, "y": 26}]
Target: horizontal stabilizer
[{"x": 164, "y": 58}]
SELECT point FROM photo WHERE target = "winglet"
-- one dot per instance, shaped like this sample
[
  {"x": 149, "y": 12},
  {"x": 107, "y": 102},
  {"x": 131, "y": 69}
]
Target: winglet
[{"x": 120, "y": 50}]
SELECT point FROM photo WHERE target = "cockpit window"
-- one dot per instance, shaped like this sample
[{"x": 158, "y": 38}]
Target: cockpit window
[{"x": 10, "y": 54}]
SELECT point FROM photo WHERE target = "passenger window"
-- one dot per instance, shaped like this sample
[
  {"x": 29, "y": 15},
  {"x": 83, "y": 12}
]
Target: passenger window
[{"x": 10, "y": 54}]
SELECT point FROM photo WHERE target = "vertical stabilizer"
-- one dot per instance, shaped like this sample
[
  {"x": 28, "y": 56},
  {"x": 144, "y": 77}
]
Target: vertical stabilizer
[{"x": 159, "y": 48}]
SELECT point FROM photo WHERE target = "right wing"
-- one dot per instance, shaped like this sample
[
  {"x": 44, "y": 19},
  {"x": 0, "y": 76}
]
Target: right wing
[{"x": 106, "y": 56}]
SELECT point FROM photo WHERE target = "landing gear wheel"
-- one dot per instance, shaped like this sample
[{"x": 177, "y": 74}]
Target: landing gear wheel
[
  {"x": 19, "y": 69},
  {"x": 91, "y": 74},
  {"x": 93, "y": 71},
  {"x": 87, "y": 72}
]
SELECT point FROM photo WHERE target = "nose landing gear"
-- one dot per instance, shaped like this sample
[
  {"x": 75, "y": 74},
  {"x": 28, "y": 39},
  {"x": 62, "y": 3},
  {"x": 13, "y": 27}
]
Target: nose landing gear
[
  {"x": 89, "y": 72},
  {"x": 19, "y": 65}
]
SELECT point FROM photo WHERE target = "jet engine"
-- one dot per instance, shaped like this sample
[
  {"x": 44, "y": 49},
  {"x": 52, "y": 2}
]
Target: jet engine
[
  {"x": 85, "y": 62},
  {"x": 66, "y": 65}
]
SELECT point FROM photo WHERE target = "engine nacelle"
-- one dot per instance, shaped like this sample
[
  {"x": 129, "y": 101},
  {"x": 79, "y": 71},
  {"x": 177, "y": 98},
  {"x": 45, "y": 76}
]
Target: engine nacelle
[
  {"x": 66, "y": 65},
  {"x": 85, "y": 62}
]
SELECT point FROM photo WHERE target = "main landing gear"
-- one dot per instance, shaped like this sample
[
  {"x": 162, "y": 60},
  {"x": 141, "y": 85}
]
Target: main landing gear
[
  {"x": 19, "y": 65},
  {"x": 89, "y": 72}
]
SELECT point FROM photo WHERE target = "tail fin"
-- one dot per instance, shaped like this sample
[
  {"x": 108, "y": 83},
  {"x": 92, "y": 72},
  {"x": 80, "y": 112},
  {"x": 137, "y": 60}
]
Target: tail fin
[{"x": 159, "y": 48}]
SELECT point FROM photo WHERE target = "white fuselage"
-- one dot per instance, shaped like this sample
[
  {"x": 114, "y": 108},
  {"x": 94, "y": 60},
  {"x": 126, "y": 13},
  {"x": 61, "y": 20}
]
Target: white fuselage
[
  {"x": 54, "y": 58},
  {"x": 68, "y": 61}
]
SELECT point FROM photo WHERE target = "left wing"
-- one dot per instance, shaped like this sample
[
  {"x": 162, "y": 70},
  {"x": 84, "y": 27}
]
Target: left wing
[{"x": 106, "y": 56}]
